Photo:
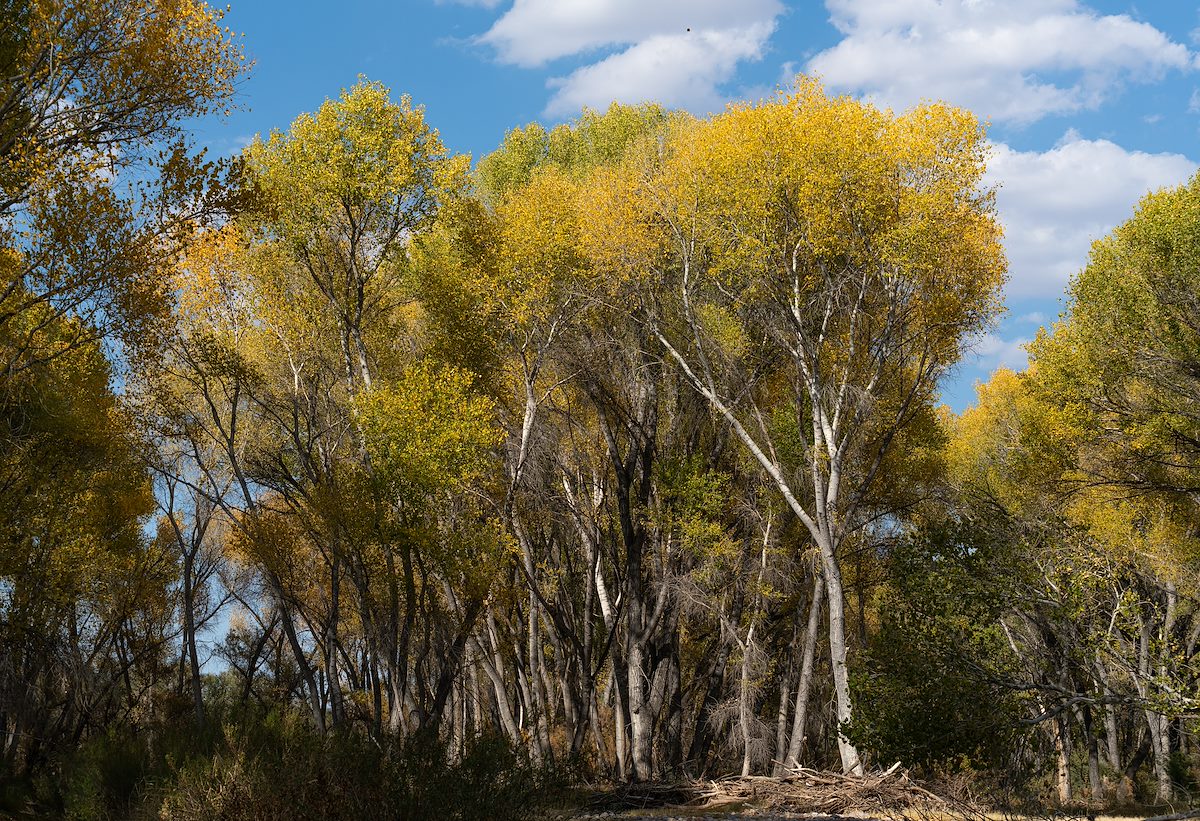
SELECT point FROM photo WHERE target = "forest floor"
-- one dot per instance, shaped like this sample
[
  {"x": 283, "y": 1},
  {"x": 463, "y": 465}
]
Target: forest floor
[
  {"x": 752, "y": 814},
  {"x": 814, "y": 796}
]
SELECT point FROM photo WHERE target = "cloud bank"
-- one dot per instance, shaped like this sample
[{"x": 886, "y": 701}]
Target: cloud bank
[
  {"x": 1008, "y": 60},
  {"x": 676, "y": 52},
  {"x": 1055, "y": 203}
]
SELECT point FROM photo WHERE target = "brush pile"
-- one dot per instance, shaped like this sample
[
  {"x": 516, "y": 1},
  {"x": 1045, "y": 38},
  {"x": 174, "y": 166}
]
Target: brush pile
[{"x": 887, "y": 794}]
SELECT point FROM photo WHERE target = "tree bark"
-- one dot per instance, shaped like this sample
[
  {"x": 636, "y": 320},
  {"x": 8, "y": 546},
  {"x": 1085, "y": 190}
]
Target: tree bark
[{"x": 804, "y": 686}]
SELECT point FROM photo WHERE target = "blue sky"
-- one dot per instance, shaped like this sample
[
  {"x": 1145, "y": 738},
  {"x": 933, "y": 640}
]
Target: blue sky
[{"x": 1091, "y": 104}]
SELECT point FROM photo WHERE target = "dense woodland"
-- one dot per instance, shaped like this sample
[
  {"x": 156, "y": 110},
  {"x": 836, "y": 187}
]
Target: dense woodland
[{"x": 618, "y": 450}]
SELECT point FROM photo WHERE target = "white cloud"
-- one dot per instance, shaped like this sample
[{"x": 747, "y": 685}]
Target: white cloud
[
  {"x": 1054, "y": 204},
  {"x": 990, "y": 351},
  {"x": 1011, "y": 60},
  {"x": 534, "y": 32},
  {"x": 677, "y": 52},
  {"x": 676, "y": 70}
]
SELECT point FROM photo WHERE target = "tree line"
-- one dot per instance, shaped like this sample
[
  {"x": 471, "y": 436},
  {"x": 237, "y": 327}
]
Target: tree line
[{"x": 623, "y": 444}]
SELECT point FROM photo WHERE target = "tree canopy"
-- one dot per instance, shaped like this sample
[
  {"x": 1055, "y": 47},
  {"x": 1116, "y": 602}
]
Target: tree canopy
[{"x": 621, "y": 448}]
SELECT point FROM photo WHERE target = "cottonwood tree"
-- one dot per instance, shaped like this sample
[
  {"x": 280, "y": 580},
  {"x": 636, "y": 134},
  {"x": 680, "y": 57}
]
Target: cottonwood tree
[
  {"x": 1118, "y": 373},
  {"x": 1097, "y": 585},
  {"x": 99, "y": 187},
  {"x": 340, "y": 452},
  {"x": 826, "y": 264}
]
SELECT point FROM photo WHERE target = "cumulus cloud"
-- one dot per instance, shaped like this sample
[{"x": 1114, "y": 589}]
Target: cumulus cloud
[
  {"x": 1008, "y": 60},
  {"x": 677, "y": 52},
  {"x": 1055, "y": 203},
  {"x": 678, "y": 70},
  {"x": 534, "y": 32}
]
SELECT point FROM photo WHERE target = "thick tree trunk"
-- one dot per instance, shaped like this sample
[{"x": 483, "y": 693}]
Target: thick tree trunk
[
  {"x": 641, "y": 719},
  {"x": 838, "y": 654},
  {"x": 1062, "y": 755}
]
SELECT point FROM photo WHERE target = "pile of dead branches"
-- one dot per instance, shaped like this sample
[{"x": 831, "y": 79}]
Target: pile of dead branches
[
  {"x": 888, "y": 794},
  {"x": 645, "y": 796}
]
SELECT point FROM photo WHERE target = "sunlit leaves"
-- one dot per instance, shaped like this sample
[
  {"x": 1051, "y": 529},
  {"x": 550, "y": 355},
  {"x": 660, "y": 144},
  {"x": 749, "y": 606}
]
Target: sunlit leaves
[
  {"x": 97, "y": 185},
  {"x": 340, "y": 198},
  {"x": 1122, "y": 363},
  {"x": 428, "y": 432}
]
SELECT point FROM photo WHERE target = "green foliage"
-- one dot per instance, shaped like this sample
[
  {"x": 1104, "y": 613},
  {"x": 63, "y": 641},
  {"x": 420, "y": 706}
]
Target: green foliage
[
  {"x": 281, "y": 769},
  {"x": 101, "y": 780},
  {"x": 1122, "y": 363},
  {"x": 695, "y": 507},
  {"x": 249, "y": 764},
  {"x": 595, "y": 139},
  {"x": 362, "y": 163},
  {"x": 429, "y": 432},
  {"x": 930, "y": 684}
]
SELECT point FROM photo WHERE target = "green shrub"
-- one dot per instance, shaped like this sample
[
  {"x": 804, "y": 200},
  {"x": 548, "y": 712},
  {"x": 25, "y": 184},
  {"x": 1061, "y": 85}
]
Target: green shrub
[
  {"x": 926, "y": 690},
  {"x": 279, "y": 768},
  {"x": 101, "y": 780},
  {"x": 248, "y": 763}
]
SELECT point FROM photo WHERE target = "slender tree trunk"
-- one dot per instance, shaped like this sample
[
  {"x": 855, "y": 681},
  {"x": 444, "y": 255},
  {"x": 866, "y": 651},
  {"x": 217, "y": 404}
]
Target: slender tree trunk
[
  {"x": 804, "y": 686},
  {"x": 306, "y": 671},
  {"x": 782, "y": 714},
  {"x": 702, "y": 735},
  {"x": 1112, "y": 739},
  {"x": 1095, "y": 785},
  {"x": 673, "y": 746},
  {"x": 1125, "y": 792},
  {"x": 744, "y": 701},
  {"x": 376, "y": 690},
  {"x": 620, "y": 722},
  {"x": 1155, "y": 723},
  {"x": 337, "y": 709},
  {"x": 189, "y": 632},
  {"x": 494, "y": 669}
]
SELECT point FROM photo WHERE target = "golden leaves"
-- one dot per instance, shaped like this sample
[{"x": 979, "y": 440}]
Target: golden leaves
[
  {"x": 538, "y": 258},
  {"x": 428, "y": 431},
  {"x": 359, "y": 158}
]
